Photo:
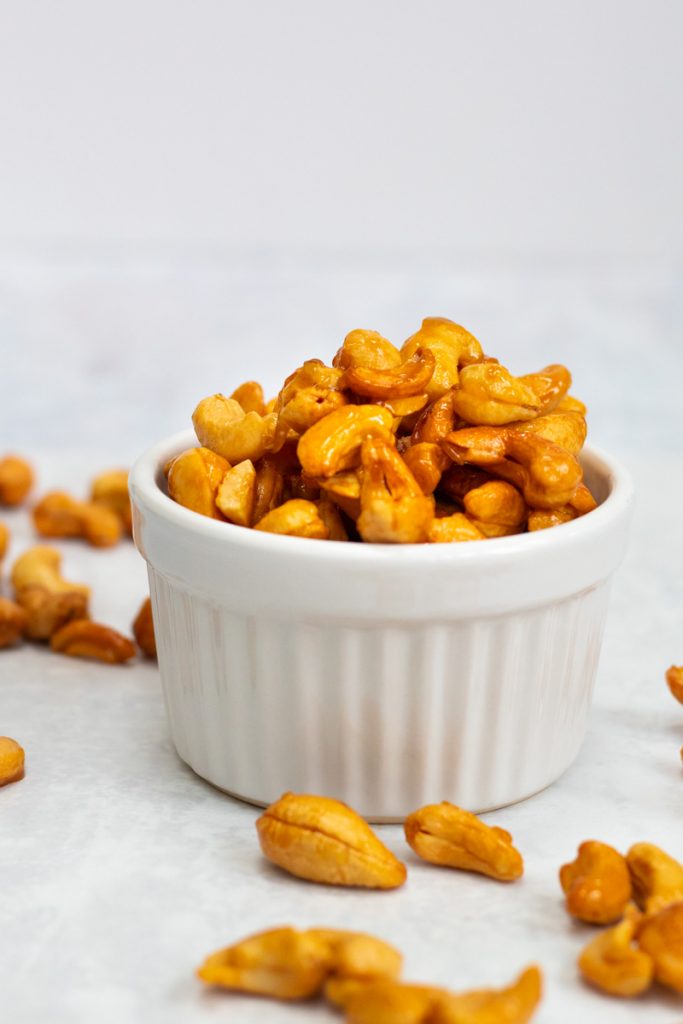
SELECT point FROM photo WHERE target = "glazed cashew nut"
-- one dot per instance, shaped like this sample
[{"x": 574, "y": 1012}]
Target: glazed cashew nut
[
  {"x": 368, "y": 349},
  {"x": 194, "y": 477},
  {"x": 496, "y": 508},
  {"x": 110, "y": 489},
  {"x": 597, "y": 884},
  {"x": 13, "y": 620},
  {"x": 427, "y": 462},
  {"x": 406, "y": 380},
  {"x": 333, "y": 443},
  {"x": 550, "y": 385},
  {"x": 222, "y": 425},
  {"x": 447, "y": 835},
  {"x": 11, "y": 761},
  {"x": 295, "y": 518},
  {"x": 236, "y": 492},
  {"x": 547, "y": 475},
  {"x": 59, "y": 515},
  {"x": 489, "y": 395},
  {"x": 452, "y": 347},
  {"x": 612, "y": 962},
  {"x": 566, "y": 429},
  {"x": 394, "y": 509},
  {"x": 16, "y": 480},
  {"x": 661, "y": 938},
  {"x": 250, "y": 397},
  {"x": 48, "y": 600},
  {"x": 657, "y": 878},
  {"x": 309, "y": 394},
  {"x": 453, "y": 529}
]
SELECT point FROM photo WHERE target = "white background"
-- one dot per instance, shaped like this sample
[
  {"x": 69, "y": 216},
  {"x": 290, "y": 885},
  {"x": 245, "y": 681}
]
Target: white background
[{"x": 501, "y": 127}]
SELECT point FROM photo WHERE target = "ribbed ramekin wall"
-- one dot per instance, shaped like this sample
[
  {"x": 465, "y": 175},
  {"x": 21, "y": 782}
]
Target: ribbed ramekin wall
[{"x": 480, "y": 712}]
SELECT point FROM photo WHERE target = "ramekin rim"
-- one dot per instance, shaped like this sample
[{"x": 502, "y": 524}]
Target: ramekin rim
[{"x": 143, "y": 481}]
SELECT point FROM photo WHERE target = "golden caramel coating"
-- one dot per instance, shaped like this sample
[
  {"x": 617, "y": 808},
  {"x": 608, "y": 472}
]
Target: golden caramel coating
[
  {"x": 597, "y": 884},
  {"x": 143, "y": 630},
  {"x": 194, "y": 477},
  {"x": 436, "y": 421},
  {"x": 16, "y": 480},
  {"x": 296, "y": 518},
  {"x": 85, "y": 639},
  {"x": 550, "y": 385},
  {"x": 60, "y": 515},
  {"x": 4, "y": 540},
  {"x": 281, "y": 963},
  {"x": 13, "y": 621},
  {"x": 323, "y": 840},
  {"x": 333, "y": 443},
  {"x": 613, "y": 963},
  {"x": 368, "y": 349},
  {"x": 393, "y": 508},
  {"x": 236, "y": 493},
  {"x": 489, "y": 395},
  {"x": 571, "y": 404},
  {"x": 11, "y": 761},
  {"x": 674, "y": 680},
  {"x": 496, "y": 508},
  {"x": 657, "y": 878},
  {"x": 427, "y": 462},
  {"x": 452, "y": 347},
  {"x": 661, "y": 937},
  {"x": 222, "y": 425},
  {"x": 547, "y": 475},
  {"x": 566, "y": 429},
  {"x": 344, "y": 490},
  {"x": 515, "y": 1004},
  {"x": 453, "y": 529},
  {"x": 403, "y": 381},
  {"x": 309, "y": 394},
  {"x": 446, "y": 418},
  {"x": 110, "y": 489},
  {"x": 48, "y": 600},
  {"x": 446, "y": 835},
  {"x": 250, "y": 397}
]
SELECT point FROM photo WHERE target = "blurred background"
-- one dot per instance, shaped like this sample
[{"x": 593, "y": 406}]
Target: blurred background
[{"x": 195, "y": 192}]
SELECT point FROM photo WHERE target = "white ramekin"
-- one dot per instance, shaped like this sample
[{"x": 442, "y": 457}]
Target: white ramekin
[{"x": 386, "y": 676}]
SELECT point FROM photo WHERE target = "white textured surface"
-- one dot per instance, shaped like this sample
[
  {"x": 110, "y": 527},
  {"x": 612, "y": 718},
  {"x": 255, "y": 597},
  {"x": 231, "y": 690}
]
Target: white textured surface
[{"x": 119, "y": 868}]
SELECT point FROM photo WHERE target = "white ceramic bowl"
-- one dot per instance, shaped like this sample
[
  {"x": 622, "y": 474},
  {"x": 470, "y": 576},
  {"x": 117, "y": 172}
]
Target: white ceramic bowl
[{"x": 386, "y": 676}]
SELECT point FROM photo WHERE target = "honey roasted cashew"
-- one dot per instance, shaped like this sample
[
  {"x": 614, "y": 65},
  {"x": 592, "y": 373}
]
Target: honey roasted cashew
[
  {"x": 437, "y": 420},
  {"x": 48, "y": 600},
  {"x": 11, "y": 761},
  {"x": 657, "y": 878},
  {"x": 582, "y": 502},
  {"x": 597, "y": 884},
  {"x": 453, "y": 529},
  {"x": 344, "y": 490},
  {"x": 59, "y": 515},
  {"x": 16, "y": 480},
  {"x": 82, "y": 638},
  {"x": 222, "y": 425},
  {"x": 661, "y": 938},
  {"x": 448, "y": 836},
  {"x": 268, "y": 487},
  {"x": 236, "y": 493},
  {"x": 308, "y": 394},
  {"x": 427, "y": 462},
  {"x": 194, "y": 477},
  {"x": 394, "y": 509},
  {"x": 296, "y": 518},
  {"x": 488, "y": 395},
  {"x": 452, "y": 347},
  {"x": 613, "y": 963},
  {"x": 515, "y": 1004},
  {"x": 367, "y": 349},
  {"x": 110, "y": 489},
  {"x": 323, "y": 840},
  {"x": 566, "y": 429},
  {"x": 250, "y": 397},
  {"x": 330, "y": 515},
  {"x": 548, "y": 476},
  {"x": 406, "y": 380},
  {"x": 496, "y": 508},
  {"x": 550, "y": 385},
  {"x": 333, "y": 444}
]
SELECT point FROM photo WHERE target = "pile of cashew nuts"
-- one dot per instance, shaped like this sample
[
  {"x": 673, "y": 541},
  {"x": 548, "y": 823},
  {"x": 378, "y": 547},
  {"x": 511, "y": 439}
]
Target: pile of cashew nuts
[{"x": 434, "y": 442}]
